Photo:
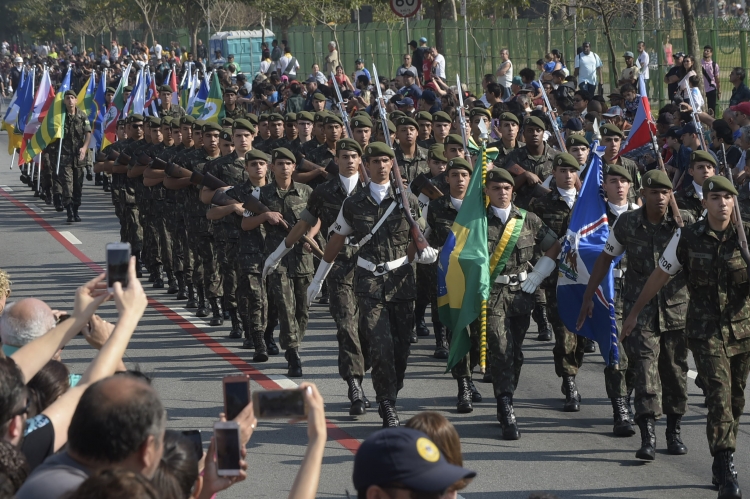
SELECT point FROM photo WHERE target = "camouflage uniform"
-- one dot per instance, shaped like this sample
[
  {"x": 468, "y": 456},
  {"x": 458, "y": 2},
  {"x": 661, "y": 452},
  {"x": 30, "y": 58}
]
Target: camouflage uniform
[
  {"x": 744, "y": 201},
  {"x": 72, "y": 170},
  {"x": 157, "y": 221},
  {"x": 632, "y": 168},
  {"x": 116, "y": 186},
  {"x": 235, "y": 113},
  {"x": 175, "y": 222},
  {"x": 410, "y": 168},
  {"x": 129, "y": 194},
  {"x": 321, "y": 156},
  {"x": 289, "y": 282},
  {"x": 174, "y": 111},
  {"x": 689, "y": 200},
  {"x": 503, "y": 152},
  {"x": 657, "y": 347},
  {"x": 541, "y": 166}
]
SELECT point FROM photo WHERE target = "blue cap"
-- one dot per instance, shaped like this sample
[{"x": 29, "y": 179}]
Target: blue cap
[
  {"x": 573, "y": 124},
  {"x": 517, "y": 81},
  {"x": 429, "y": 96},
  {"x": 407, "y": 457},
  {"x": 423, "y": 40},
  {"x": 408, "y": 101},
  {"x": 688, "y": 128}
]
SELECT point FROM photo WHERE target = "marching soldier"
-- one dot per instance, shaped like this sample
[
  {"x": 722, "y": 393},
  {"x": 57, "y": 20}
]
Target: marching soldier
[
  {"x": 509, "y": 127},
  {"x": 411, "y": 158},
  {"x": 612, "y": 141},
  {"x": 166, "y": 108},
  {"x": 441, "y": 126},
  {"x": 318, "y": 133},
  {"x": 231, "y": 108},
  {"x": 323, "y": 154},
  {"x": 131, "y": 211},
  {"x": 362, "y": 130},
  {"x": 424, "y": 138},
  {"x": 105, "y": 168},
  {"x": 690, "y": 198}
]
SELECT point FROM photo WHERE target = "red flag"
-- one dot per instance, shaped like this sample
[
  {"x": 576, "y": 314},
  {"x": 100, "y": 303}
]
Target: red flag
[
  {"x": 643, "y": 123},
  {"x": 173, "y": 84}
]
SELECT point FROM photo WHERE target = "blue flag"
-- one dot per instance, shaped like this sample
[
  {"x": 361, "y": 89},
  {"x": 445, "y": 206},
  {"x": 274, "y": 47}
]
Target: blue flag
[
  {"x": 587, "y": 233},
  {"x": 26, "y": 101},
  {"x": 98, "y": 111}
]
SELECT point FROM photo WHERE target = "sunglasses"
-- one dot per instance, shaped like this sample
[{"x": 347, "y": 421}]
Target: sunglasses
[{"x": 136, "y": 126}]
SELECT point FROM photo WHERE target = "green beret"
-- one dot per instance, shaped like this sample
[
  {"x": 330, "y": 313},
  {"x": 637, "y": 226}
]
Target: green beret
[
  {"x": 361, "y": 122},
  {"x": 348, "y": 145},
  {"x": 510, "y": 117},
  {"x": 175, "y": 123},
  {"x": 263, "y": 117},
  {"x": 290, "y": 118},
  {"x": 423, "y": 115},
  {"x": 320, "y": 116},
  {"x": 187, "y": 120},
  {"x": 240, "y": 124},
  {"x": 391, "y": 127},
  {"x": 618, "y": 170},
  {"x": 379, "y": 149},
  {"x": 305, "y": 116},
  {"x": 283, "y": 153},
  {"x": 395, "y": 114},
  {"x": 275, "y": 117},
  {"x": 154, "y": 122},
  {"x": 458, "y": 163},
  {"x": 437, "y": 152},
  {"x": 610, "y": 130},
  {"x": 441, "y": 117},
  {"x": 656, "y": 179},
  {"x": 476, "y": 111},
  {"x": 127, "y": 88},
  {"x": 360, "y": 113},
  {"x": 121, "y": 122},
  {"x": 332, "y": 119},
  {"x": 230, "y": 90},
  {"x": 225, "y": 136},
  {"x": 165, "y": 88},
  {"x": 406, "y": 121},
  {"x": 319, "y": 96},
  {"x": 70, "y": 93},
  {"x": 500, "y": 175},
  {"x": 565, "y": 159},
  {"x": 198, "y": 125},
  {"x": 534, "y": 121},
  {"x": 576, "y": 140},
  {"x": 454, "y": 139},
  {"x": 210, "y": 126},
  {"x": 166, "y": 121},
  {"x": 252, "y": 118},
  {"x": 697, "y": 156},
  {"x": 110, "y": 90},
  {"x": 227, "y": 122},
  {"x": 134, "y": 118},
  {"x": 718, "y": 183},
  {"x": 256, "y": 154}
]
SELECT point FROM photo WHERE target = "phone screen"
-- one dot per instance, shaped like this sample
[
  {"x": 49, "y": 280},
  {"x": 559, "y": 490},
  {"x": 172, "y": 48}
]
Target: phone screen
[
  {"x": 280, "y": 404},
  {"x": 228, "y": 448},
  {"x": 117, "y": 266},
  {"x": 195, "y": 438},
  {"x": 237, "y": 397}
]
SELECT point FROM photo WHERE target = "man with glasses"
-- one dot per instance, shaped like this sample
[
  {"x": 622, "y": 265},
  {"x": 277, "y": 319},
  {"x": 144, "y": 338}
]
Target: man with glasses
[
  {"x": 406, "y": 66},
  {"x": 588, "y": 70}
]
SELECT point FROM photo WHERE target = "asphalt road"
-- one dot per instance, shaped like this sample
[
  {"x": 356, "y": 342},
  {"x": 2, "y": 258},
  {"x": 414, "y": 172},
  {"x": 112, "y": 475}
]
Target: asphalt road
[{"x": 571, "y": 455}]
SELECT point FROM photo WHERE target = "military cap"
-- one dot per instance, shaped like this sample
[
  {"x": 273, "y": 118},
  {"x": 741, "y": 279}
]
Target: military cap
[
  {"x": 166, "y": 121},
  {"x": 165, "y": 88},
  {"x": 454, "y": 139},
  {"x": 283, "y": 153},
  {"x": 252, "y": 118},
  {"x": 510, "y": 117},
  {"x": 175, "y": 123},
  {"x": 275, "y": 117},
  {"x": 320, "y": 116},
  {"x": 423, "y": 115},
  {"x": 378, "y": 149},
  {"x": 198, "y": 125},
  {"x": 305, "y": 116},
  {"x": 566, "y": 159},
  {"x": 227, "y": 122},
  {"x": 437, "y": 152},
  {"x": 121, "y": 122},
  {"x": 348, "y": 145},
  {"x": 718, "y": 183},
  {"x": 534, "y": 121},
  {"x": 476, "y": 111},
  {"x": 697, "y": 156},
  {"x": 256, "y": 154},
  {"x": 611, "y": 130},
  {"x": 458, "y": 163},
  {"x": 406, "y": 121},
  {"x": 187, "y": 120},
  {"x": 240, "y": 124},
  {"x": 110, "y": 90},
  {"x": 154, "y": 122},
  {"x": 133, "y": 118},
  {"x": 362, "y": 122},
  {"x": 230, "y": 90},
  {"x": 395, "y": 114},
  {"x": 70, "y": 92},
  {"x": 576, "y": 140},
  {"x": 225, "y": 136},
  {"x": 441, "y": 117},
  {"x": 391, "y": 127},
  {"x": 500, "y": 175},
  {"x": 263, "y": 117},
  {"x": 656, "y": 179},
  {"x": 319, "y": 96},
  {"x": 290, "y": 118},
  {"x": 360, "y": 113},
  {"x": 210, "y": 126},
  {"x": 618, "y": 170},
  {"x": 127, "y": 88},
  {"x": 332, "y": 119}
]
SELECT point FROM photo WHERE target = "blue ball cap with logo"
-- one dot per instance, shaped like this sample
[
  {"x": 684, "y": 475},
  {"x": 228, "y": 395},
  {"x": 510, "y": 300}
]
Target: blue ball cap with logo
[{"x": 406, "y": 457}]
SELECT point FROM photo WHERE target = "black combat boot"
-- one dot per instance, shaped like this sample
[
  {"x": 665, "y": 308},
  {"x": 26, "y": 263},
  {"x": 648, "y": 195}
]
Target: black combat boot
[
  {"x": 590, "y": 346},
  {"x": 475, "y": 395},
  {"x": 539, "y": 314},
  {"x": 355, "y": 395},
  {"x": 294, "y": 363},
  {"x": 98, "y": 181},
  {"x": 173, "y": 288},
  {"x": 261, "y": 353},
  {"x": 413, "y": 336},
  {"x": 216, "y": 317},
  {"x": 464, "y": 396},
  {"x": 202, "y": 310},
  {"x": 387, "y": 411},
  {"x": 507, "y": 417},
  {"x": 647, "y": 451},
  {"x": 182, "y": 293},
  {"x": 57, "y": 200},
  {"x": 76, "y": 218},
  {"x": 105, "y": 183},
  {"x": 324, "y": 298},
  {"x": 364, "y": 395},
  {"x": 273, "y": 349},
  {"x": 419, "y": 311},
  {"x": 622, "y": 427},
  {"x": 138, "y": 265},
  {"x": 725, "y": 476},
  {"x": 191, "y": 301},
  {"x": 89, "y": 174},
  {"x": 236, "y": 331},
  {"x": 675, "y": 446},
  {"x": 47, "y": 196},
  {"x": 630, "y": 406},
  {"x": 572, "y": 397},
  {"x": 158, "y": 279},
  {"x": 441, "y": 342},
  {"x": 224, "y": 310},
  {"x": 69, "y": 209}
]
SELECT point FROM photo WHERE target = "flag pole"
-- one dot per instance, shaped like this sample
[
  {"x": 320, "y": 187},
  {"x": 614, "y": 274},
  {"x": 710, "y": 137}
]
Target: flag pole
[
  {"x": 13, "y": 159},
  {"x": 62, "y": 134},
  {"x": 39, "y": 176},
  {"x": 483, "y": 310}
]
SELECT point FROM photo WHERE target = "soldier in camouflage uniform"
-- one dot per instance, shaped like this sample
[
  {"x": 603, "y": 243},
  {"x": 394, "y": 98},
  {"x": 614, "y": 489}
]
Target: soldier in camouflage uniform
[
  {"x": 304, "y": 124},
  {"x": 424, "y": 138},
  {"x": 657, "y": 347},
  {"x": 718, "y": 335},
  {"x": 166, "y": 108},
  {"x": 441, "y": 126},
  {"x": 384, "y": 279},
  {"x": 131, "y": 213},
  {"x": 323, "y": 207},
  {"x": 690, "y": 198},
  {"x": 226, "y": 146},
  {"x": 275, "y": 128},
  {"x": 231, "y": 108},
  {"x": 509, "y": 127},
  {"x": 362, "y": 130},
  {"x": 323, "y": 154},
  {"x": 612, "y": 140},
  {"x": 286, "y": 200},
  {"x": 412, "y": 159},
  {"x": 115, "y": 182}
]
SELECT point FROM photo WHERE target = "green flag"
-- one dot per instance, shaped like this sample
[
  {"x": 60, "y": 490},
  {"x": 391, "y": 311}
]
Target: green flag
[{"x": 213, "y": 109}]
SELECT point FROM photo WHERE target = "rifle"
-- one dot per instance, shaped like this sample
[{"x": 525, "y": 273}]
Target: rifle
[
  {"x": 309, "y": 166},
  {"x": 422, "y": 185},
  {"x": 144, "y": 159},
  {"x": 123, "y": 159},
  {"x": 176, "y": 171},
  {"x": 158, "y": 164},
  {"x": 736, "y": 216},
  {"x": 101, "y": 157},
  {"x": 461, "y": 117},
  {"x": 112, "y": 156},
  {"x": 696, "y": 121},
  {"x": 416, "y": 232},
  {"x": 339, "y": 104},
  {"x": 672, "y": 201},
  {"x": 551, "y": 116}
]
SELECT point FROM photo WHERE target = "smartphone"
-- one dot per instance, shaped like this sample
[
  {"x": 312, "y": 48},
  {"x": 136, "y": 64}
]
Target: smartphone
[
  {"x": 118, "y": 260},
  {"x": 62, "y": 318},
  {"x": 236, "y": 394},
  {"x": 195, "y": 438},
  {"x": 227, "y": 448},
  {"x": 273, "y": 404}
]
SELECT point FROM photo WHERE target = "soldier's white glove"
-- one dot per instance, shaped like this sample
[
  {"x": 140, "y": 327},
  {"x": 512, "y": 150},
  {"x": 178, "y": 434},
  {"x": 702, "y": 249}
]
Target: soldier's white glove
[
  {"x": 542, "y": 270},
  {"x": 317, "y": 283},
  {"x": 428, "y": 255},
  {"x": 274, "y": 258}
]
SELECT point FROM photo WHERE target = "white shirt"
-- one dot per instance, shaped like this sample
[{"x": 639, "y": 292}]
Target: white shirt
[
  {"x": 439, "y": 68},
  {"x": 643, "y": 60},
  {"x": 698, "y": 190},
  {"x": 507, "y": 78},
  {"x": 568, "y": 195},
  {"x": 502, "y": 213},
  {"x": 349, "y": 183},
  {"x": 157, "y": 50},
  {"x": 587, "y": 65},
  {"x": 618, "y": 210},
  {"x": 457, "y": 203},
  {"x": 379, "y": 191}
]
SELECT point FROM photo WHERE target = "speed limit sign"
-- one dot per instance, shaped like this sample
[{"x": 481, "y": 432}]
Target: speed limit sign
[{"x": 405, "y": 8}]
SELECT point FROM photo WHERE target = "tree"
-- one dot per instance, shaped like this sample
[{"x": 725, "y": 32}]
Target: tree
[
  {"x": 691, "y": 29},
  {"x": 608, "y": 10},
  {"x": 149, "y": 10}
]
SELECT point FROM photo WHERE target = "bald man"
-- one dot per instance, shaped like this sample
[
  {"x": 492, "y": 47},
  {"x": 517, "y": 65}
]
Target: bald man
[{"x": 23, "y": 321}]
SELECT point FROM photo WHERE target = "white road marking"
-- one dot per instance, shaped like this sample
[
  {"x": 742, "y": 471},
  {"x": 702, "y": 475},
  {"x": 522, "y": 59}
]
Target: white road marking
[
  {"x": 6, "y": 188},
  {"x": 692, "y": 374},
  {"x": 37, "y": 208},
  {"x": 282, "y": 380},
  {"x": 69, "y": 236}
]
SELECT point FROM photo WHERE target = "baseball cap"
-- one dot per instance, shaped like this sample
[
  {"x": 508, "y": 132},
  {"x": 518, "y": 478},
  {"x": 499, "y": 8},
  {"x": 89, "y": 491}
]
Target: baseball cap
[
  {"x": 407, "y": 457},
  {"x": 628, "y": 54},
  {"x": 574, "y": 125},
  {"x": 359, "y": 61},
  {"x": 517, "y": 81},
  {"x": 409, "y": 74},
  {"x": 18, "y": 59},
  {"x": 688, "y": 128},
  {"x": 408, "y": 101},
  {"x": 423, "y": 40},
  {"x": 742, "y": 107},
  {"x": 613, "y": 111},
  {"x": 429, "y": 96},
  {"x": 673, "y": 133},
  {"x": 680, "y": 54}
]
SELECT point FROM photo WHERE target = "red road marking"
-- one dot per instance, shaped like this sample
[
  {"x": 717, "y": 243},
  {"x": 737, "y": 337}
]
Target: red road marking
[{"x": 334, "y": 432}]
